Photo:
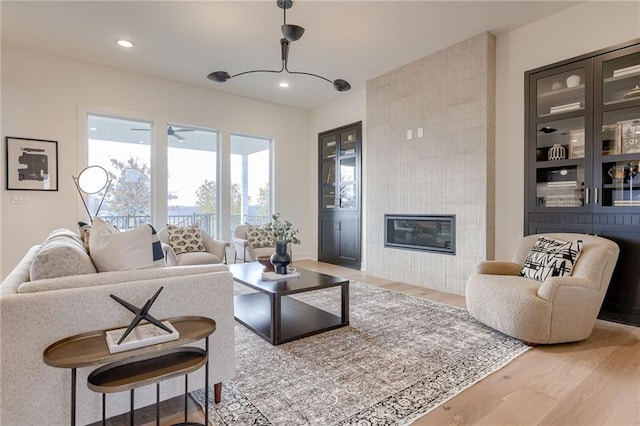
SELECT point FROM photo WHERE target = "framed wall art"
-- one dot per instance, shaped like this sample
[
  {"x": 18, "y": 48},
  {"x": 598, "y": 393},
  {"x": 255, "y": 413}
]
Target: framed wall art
[
  {"x": 576, "y": 143},
  {"x": 611, "y": 139},
  {"x": 32, "y": 164},
  {"x": 630, "y": 136}
]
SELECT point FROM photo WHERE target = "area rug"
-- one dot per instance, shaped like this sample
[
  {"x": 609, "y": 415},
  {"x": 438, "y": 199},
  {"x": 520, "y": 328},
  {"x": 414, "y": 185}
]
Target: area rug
[{"x": 400, "y": 357}]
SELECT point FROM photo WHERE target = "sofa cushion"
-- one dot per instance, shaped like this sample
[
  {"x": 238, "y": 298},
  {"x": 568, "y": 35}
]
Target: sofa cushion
[
  {"x": 62, "y": 254},
  {"x": 551, "y": 258},
  {"x": 115, "y": 277},
  {"x": 259, "y": 236},
  {"x": 113, "y": 250},
  {"x": 185, "y": 239}
]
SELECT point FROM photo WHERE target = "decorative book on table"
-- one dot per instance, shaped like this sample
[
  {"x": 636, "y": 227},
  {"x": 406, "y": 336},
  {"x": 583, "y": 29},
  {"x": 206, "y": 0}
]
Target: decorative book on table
[
  {"x": 272, "y": 276},
  {"x": 144, "y": 334}
]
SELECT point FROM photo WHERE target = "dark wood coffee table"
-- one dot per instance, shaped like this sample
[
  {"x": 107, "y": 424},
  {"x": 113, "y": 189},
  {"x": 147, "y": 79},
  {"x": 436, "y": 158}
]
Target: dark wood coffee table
[{"x": 277, "y": 318}]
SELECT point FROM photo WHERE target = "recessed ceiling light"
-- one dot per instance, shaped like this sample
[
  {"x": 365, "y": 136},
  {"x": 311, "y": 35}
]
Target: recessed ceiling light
[
  {"x": 283, "y": 84},
  {"x": 124, "y": 43},
  {"x": 93, "y": 129}
]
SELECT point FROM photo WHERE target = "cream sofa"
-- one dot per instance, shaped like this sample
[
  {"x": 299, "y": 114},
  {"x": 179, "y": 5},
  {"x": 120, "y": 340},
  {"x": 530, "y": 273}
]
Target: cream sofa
[
  {"x": 34, "y": 314},
  {"x": 557, "y": 310}
]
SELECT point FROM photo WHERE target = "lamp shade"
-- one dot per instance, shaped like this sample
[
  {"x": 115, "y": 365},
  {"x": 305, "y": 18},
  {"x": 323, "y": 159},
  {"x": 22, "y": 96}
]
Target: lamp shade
[
  {"x": 219, "y": 76},
  {"x": 93, "y": 179},
  {"x": 341, "y": 85},
  {"x": 292, "y": 32}
]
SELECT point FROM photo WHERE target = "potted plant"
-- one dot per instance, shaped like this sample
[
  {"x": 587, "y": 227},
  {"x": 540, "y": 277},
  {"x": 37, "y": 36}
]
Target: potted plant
[{"x": 283, "y": 234}]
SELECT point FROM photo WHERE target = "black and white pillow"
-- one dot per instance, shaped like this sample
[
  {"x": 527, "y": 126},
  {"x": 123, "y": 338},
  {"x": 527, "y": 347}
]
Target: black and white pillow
[
  {"x": 260, "y": 236},
  {"x": 551, "y": 258},
  {"x": 185, "y": 239}
]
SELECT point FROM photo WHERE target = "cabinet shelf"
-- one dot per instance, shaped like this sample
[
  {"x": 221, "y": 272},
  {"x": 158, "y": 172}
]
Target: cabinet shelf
[
  {"x": 559, "y": 163},
  {"x": 563, "y": 94}
]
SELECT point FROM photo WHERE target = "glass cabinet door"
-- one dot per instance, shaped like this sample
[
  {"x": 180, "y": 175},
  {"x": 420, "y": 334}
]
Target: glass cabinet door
[
  {"x": 620, "y": 158},
  {"x": 560, "y": 163},
  {"x": 560, "y": 158},
  {"x": 561, "y": 93},
  {"x": 348, "y": 141},
  {"x": 328, "y": 158},
  {"x": 621, "y": 79},
  {"x": 618, "y": 142}
]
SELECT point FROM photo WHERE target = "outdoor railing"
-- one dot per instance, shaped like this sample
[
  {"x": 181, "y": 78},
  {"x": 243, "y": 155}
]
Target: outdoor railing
[{"x": 204, "y": 221}]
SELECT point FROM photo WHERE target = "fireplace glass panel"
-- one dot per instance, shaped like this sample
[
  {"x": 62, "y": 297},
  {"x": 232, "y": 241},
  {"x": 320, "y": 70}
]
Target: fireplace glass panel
[{"x": 424, "y": 232}]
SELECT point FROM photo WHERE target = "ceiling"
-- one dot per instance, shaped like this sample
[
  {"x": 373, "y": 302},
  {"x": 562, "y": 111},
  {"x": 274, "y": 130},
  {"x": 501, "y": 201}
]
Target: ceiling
[{"x": 186, "y": 40}]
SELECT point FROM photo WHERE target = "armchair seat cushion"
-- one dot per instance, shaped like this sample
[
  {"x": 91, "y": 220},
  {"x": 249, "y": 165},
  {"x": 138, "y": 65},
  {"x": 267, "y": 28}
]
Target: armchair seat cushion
[{"x": 197, "y": 258}]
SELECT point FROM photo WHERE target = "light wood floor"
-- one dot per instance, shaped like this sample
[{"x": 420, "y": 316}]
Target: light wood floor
[{"x": 594, "y": 382}]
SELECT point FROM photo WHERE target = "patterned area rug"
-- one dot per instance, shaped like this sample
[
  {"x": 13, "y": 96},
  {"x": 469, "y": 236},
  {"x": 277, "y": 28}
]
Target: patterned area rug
[{"x": 401, "y": 357}]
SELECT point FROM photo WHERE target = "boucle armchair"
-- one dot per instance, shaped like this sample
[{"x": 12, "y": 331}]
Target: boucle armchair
[
  {"x": 244, "y": 249},
  {"x": 215, "y": 251},
  {"x": 556, "y": 310}
]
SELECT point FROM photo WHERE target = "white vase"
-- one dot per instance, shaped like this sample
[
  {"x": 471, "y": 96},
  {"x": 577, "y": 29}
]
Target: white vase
[
  {"x": 573, "y": 80},
  {"x": 556, "y": 152}
]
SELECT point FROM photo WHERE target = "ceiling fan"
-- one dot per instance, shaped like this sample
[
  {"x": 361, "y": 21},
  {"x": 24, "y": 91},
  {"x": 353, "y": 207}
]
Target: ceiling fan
[{"x": 172, "y": 132}]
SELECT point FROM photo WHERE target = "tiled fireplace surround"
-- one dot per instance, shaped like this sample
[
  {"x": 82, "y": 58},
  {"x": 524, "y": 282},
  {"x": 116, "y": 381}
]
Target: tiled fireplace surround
[{"x": 451, "y": 95}]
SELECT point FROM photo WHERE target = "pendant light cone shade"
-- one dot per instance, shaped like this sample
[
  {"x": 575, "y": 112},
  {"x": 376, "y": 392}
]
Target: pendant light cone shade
[
  {"x": 291, "y": 33},
  {"x": 219, "y": 76},
  {"x": 341, "y": 85}
]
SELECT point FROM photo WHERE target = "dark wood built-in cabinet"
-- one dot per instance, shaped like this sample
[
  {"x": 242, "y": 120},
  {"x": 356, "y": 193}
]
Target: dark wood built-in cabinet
[
  {"x": 339, "y": 174},
  {"x": 582, "y": 159}
]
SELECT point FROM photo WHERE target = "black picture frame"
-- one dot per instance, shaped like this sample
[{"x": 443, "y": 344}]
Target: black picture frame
[{"x": 31, "y": 164}]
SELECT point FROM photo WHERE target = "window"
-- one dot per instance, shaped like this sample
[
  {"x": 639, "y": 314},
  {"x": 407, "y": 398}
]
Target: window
[
  {"x": 192, "y": 164},
  {"x": 250, "y": 180},
  {"x": 123, "y": 148}
]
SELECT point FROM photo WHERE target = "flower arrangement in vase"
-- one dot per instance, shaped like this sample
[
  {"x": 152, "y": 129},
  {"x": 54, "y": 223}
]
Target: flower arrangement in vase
[{"x": 283, "y": 233}]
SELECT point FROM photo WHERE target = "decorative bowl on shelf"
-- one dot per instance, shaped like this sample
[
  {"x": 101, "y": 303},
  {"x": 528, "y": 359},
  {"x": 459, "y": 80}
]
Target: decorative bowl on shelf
[
  {"x": 635, "y": 92},
  {"x": 266, "y": 262}
]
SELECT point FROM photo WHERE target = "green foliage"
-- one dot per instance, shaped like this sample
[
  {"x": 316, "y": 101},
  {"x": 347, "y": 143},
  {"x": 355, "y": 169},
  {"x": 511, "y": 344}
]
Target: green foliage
[
  {"x": 207, "y": 197},
  {"x": 236, "y": 199},
  {"x": 283, "y": 231},
  {"x": 263, "y": 200},
  {"x": 131, "y": 188}
]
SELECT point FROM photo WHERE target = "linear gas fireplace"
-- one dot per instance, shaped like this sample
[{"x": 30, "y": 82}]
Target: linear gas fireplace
[{"x": 434, "y": 233}]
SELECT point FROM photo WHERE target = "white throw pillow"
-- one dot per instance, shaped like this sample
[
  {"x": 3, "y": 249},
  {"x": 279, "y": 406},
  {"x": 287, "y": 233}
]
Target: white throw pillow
[{"x": 112, "y": 250}]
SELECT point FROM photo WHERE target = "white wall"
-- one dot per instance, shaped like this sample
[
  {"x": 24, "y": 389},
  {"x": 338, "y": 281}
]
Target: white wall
[
  {"x": 349, "y": 109},
  {"x": 581, "y": 29},
  {"x": 44, "y": 95}
]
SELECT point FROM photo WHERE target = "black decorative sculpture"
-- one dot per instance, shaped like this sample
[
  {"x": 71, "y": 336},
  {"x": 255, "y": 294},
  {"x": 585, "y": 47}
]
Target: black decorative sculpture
[{"x": 141, "y": 314}]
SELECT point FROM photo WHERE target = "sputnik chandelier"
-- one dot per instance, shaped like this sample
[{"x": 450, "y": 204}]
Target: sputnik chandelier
[{"x": 291, "y": 33}]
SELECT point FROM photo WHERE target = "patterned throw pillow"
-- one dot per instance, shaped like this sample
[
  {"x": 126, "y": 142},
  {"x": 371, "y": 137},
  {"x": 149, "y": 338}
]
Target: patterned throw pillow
[
  {"x": 185, "y": 239},
  {"x": 259, "y": 236},
  {"x": 551, "y": 258},
  {"x": 85, "y": 231}
]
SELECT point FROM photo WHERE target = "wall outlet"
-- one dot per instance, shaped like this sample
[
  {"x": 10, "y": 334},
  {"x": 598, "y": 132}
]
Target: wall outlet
[
  {"x": 19, "y": 198},
  {"x": 409, "y": 135},
  {"x": 420, "y": 132}
]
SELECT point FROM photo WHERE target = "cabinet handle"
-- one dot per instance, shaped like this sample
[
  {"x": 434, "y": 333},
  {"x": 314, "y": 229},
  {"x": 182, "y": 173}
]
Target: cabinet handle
[
  {"x": 586, "y": 196},
  {"x": 595, "y": 195}
]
